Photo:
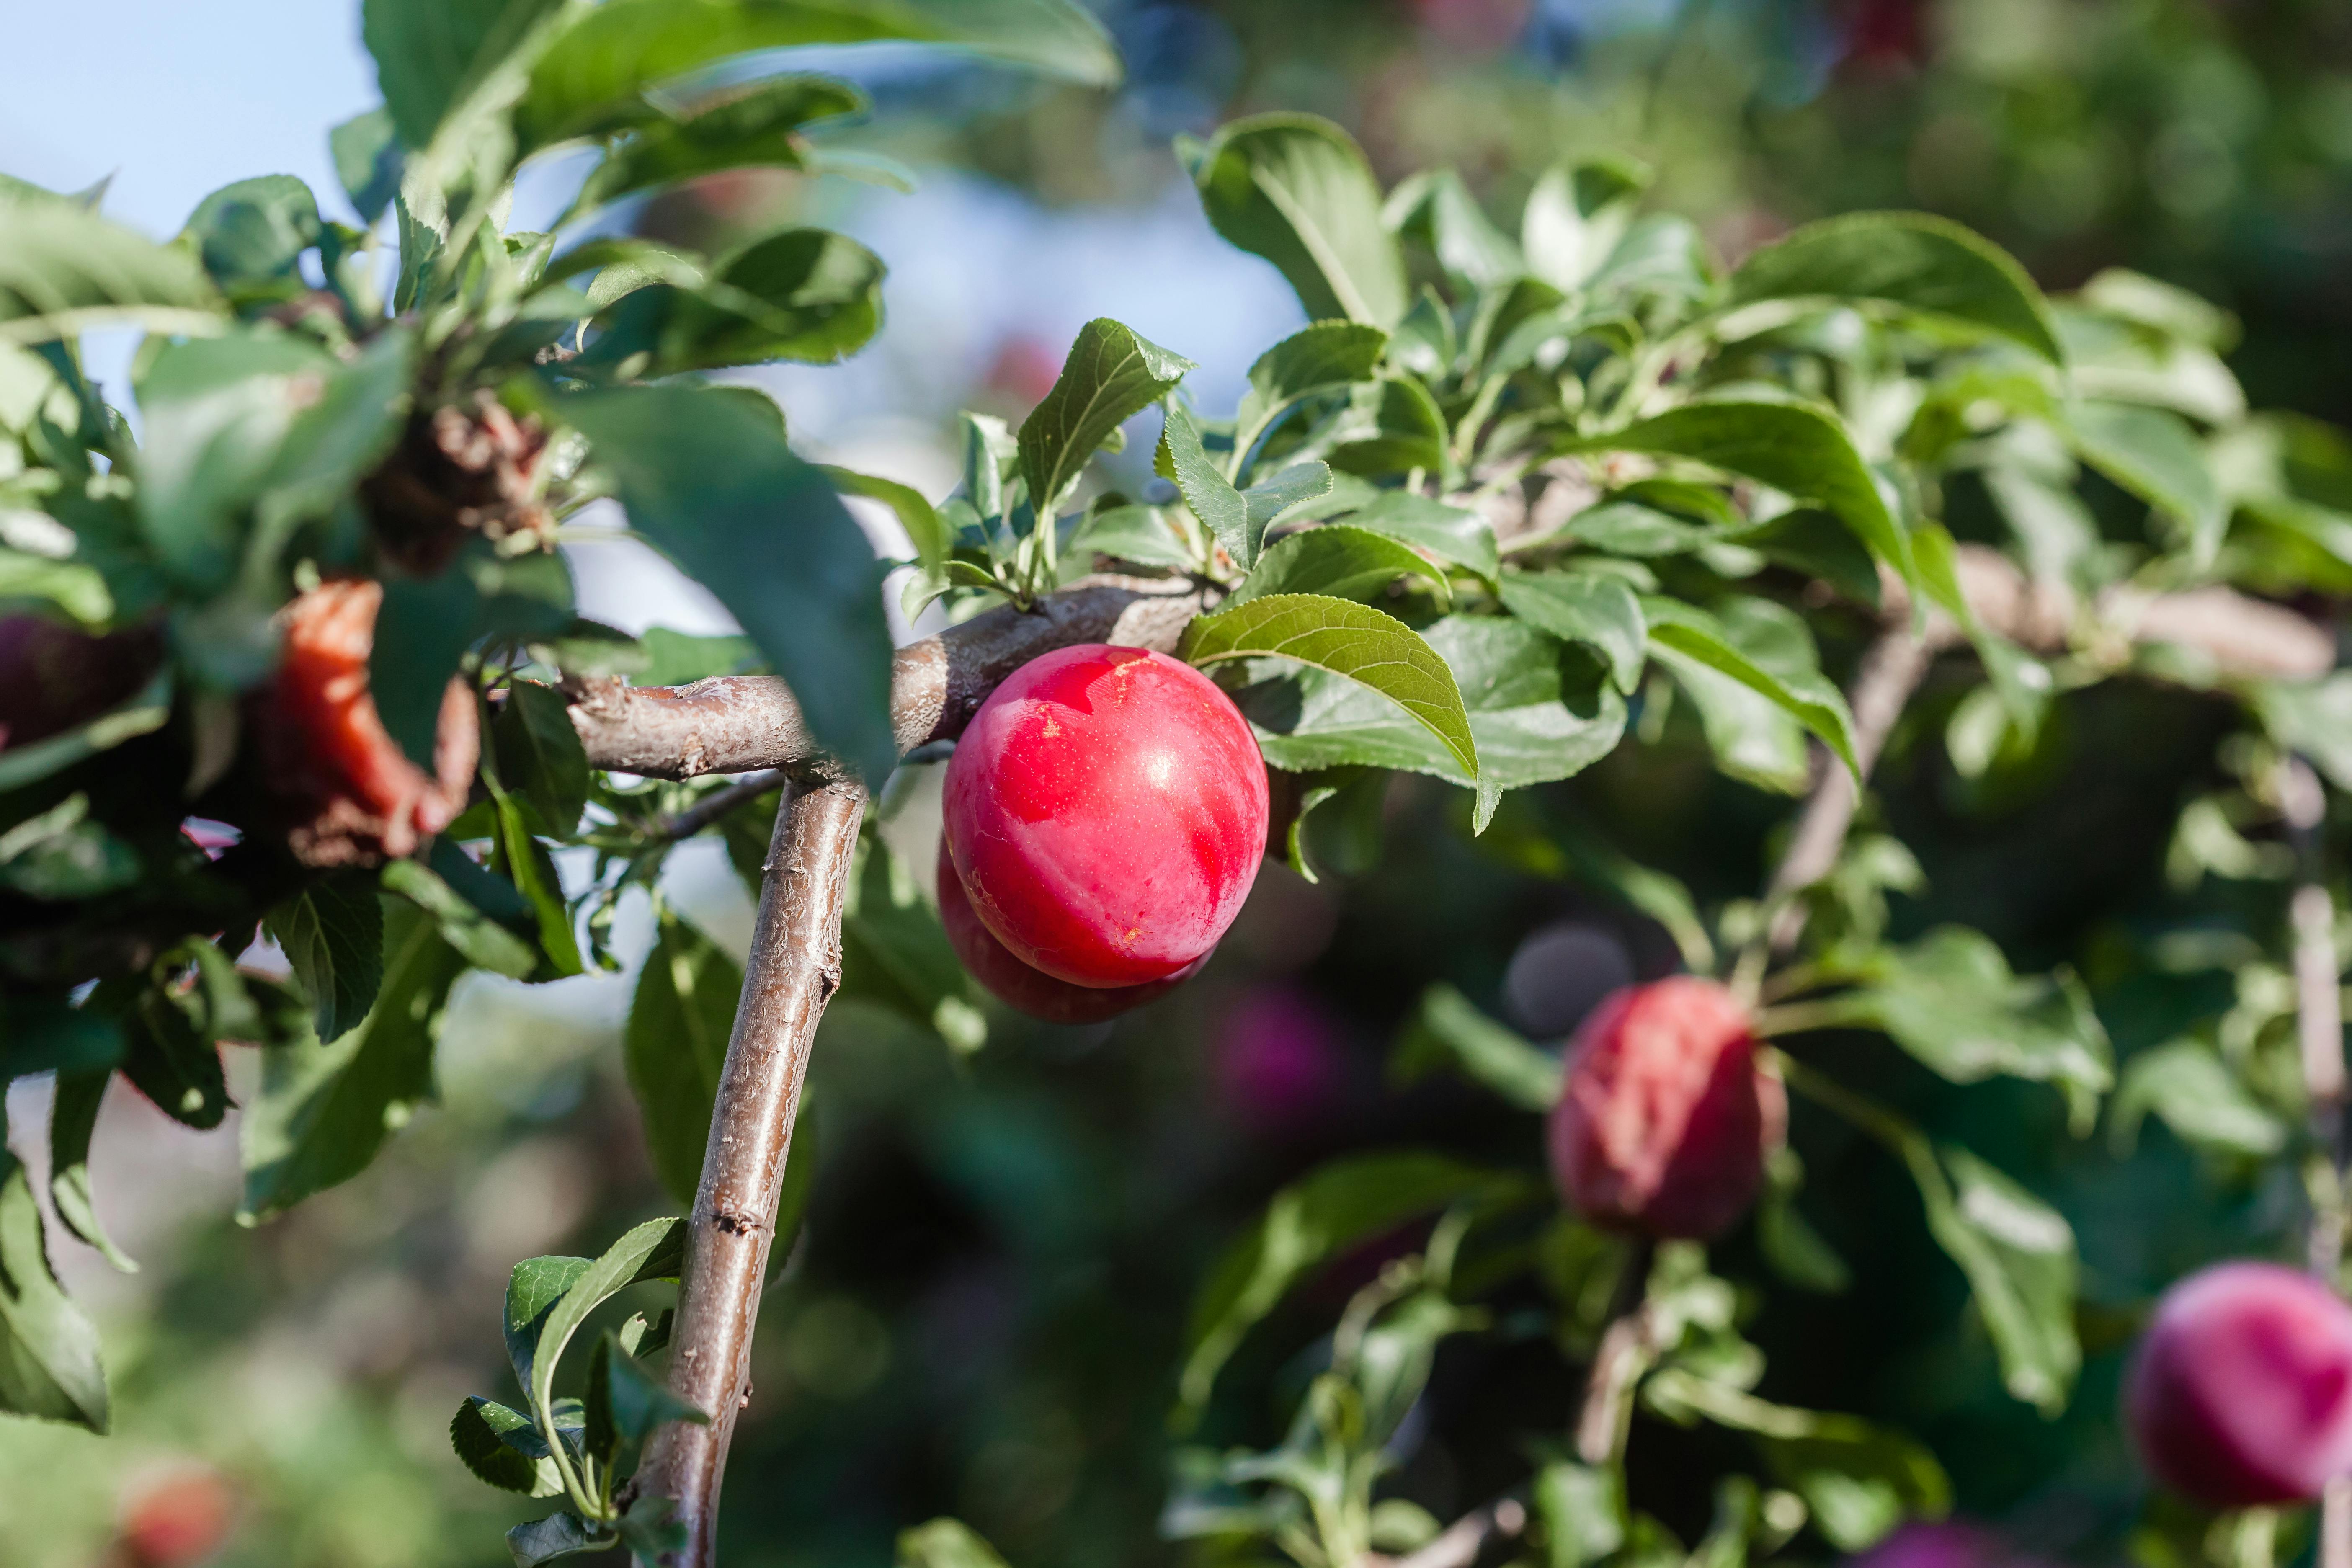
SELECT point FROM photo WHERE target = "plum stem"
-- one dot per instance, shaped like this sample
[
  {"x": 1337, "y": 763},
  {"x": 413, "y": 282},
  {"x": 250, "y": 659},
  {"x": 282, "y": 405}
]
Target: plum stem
[{"x": 793, "y": 970}]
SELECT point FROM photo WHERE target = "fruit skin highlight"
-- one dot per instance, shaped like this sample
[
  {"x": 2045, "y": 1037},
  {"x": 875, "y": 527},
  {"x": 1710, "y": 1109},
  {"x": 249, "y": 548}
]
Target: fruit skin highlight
[
  {"x": 352, "y": 794},
  {"x": 1105, "y": 810},
  {"x": 1667, "y": 1113},
  {"x": 1023, "y": 988},
  {"x": 2241, "y": 1395}
]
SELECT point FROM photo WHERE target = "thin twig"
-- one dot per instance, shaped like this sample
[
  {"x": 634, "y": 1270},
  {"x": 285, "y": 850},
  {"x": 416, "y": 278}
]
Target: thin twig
[
  {"x": 2319, "y": 1028},
  {"x": 1890, "y": 672},
  {"x": 718, "y": 803},
  {"x": 1618, "y": 1363},
  {"x": 794, "y": 969},
  {"x": 1459, "y": 1544}
]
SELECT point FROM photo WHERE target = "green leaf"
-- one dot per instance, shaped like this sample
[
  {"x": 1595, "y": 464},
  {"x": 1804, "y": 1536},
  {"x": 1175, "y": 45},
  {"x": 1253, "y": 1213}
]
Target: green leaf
[
  {"x": 254, "y": 230},
  {"x": 73, "y": 1116},
  {"x": 719, "y": 492},
  {"x": 1770, "y": 656},
  {"x": 894, "y": 950},
  {"x": 594, "y": 79},
  {"x": 2156, "y": 456},
  {"x": 1788, "y": 446},
  {"x": 476, "y": 935},
  {"x": 64, "y": 272},
  {"x": 62, "y": 855},
  {"x": 1950, "y": 1001},
  {"x": 49, "y": 1034},
  {"x": 533, "y": 1287},
  {"x": 945, "y": 1543},
  {"x": 539, "y": 757},
  {"x": 217, "y": 414},
  {"x": 1859, "y": 1481},
  {"x": 1537, "y": 712},
  {"x": 1307, "y": 1223},
  {"x": 332, "y": 935},
  {"x": 652, "y": 1250},
  {"x": 675, "y": 1045},
  {"x": 676, "y": 659},
  {"x": 1600, "y": 611},
  {"x": 49, "y": 1365},
  {"x": 1326, "y": 357},
  {"x": 2019, "y": 1256},
  {"x": 1364, "y": 645},
  {"x": 431, "y": 54},
  {"x": 557, "y": 1535},
  {"x": 1296, "y": 190},
  {"x": 1583, "y": 1512},
  {"x": 2192, "y": 1090},
  {"x": 1388, "y": 426},
  {"x": 171, "y": 1060},
  {"x": 1921, "y": 263},
  {"x": 803, "y": 294},
  {"x": 366, "y": 151},
  {"x": 1238, "y": 518},
  {"x": 526, "y": 863},
  {"x": 2313, "y": 718},
  {"x": 1437, "y": 209},
  {"x": 1576, "y": 216},
  {"x": 633, "y": 1399},
  {"x": 323, "y": 1110},
  {"x": 1144, "y": 534},
  {"x": 1340, "y": 561},
  {"x": 1454, "y": 534},
  {"x": 503, "y": 1448},
  {"x": 753, "y": 125},
  {"x": 1111, "y": 375},
  {"x": 925, "y": 531},
  {"x": 1448, "y": 1031}
]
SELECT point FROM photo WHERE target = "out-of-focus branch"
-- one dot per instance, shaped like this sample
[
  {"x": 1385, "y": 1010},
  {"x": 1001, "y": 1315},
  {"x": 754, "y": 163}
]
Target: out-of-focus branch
[
  {"x": 1626, "y": 1349},
  {"x": 2233, "y": 635},
  {"x": 719, "y": 801},
  {"x": 794, "y": 969},
  {"x": 735, "y": 724},
  {"x": 1459, "y": 1544}
]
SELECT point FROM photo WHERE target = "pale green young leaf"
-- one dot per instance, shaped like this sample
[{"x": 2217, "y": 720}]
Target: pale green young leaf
[
  {"x": 1783, "y": 673},
  {"x": 1576, "y": 217},
  {"x": 2157, "y": 456},
  {"x": 1913, "y": 260},
  {"x": 1324, "y": 357}
]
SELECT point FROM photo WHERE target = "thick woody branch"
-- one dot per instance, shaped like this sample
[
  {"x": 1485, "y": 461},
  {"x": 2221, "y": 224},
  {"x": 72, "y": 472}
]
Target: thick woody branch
[
  {"x": 735, "y": 724},
  {"x": 794, "y": 969}
]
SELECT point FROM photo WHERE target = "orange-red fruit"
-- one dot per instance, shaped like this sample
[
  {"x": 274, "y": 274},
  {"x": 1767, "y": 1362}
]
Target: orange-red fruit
[
  {"x": 357, "y": 796},
  {"x": 1667, "y": 1113},
  {"x": 1107, "y": 811},
  {"x": 2240, "y": 1396},
  {"x": 1027, "y": 990}
]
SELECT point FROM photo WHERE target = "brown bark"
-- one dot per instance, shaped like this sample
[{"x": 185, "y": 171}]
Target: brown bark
[
  {"x": 735, "y": 724},
  {"x": 794, "y": 969}
]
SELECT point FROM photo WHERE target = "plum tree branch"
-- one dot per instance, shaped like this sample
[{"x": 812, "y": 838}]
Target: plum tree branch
[
  {"x": 2319, "y": 1029},
  {"x": 2233, "y": 635},
  {"x": 735, "y": 724},
  {"x": 793, "y": 970}
]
